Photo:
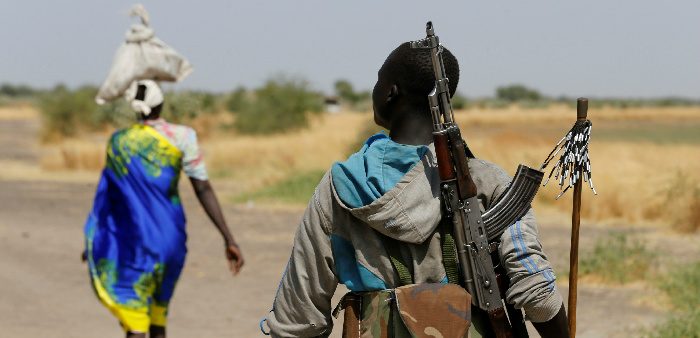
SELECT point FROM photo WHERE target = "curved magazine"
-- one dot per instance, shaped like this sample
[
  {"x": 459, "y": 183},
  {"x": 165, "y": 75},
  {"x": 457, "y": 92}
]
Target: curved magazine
[{"x": 514, "y": 203}]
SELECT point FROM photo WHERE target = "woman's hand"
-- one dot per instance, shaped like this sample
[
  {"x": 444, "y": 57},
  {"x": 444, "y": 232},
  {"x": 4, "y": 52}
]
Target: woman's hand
[{"x": 235, "y": 258}]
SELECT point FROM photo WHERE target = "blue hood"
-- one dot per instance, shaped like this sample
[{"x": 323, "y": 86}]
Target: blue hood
[{"x": 369, "y": 173}]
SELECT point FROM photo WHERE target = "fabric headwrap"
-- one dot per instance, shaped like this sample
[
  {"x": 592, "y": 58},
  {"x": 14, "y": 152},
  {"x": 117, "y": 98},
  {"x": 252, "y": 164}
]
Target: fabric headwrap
[{"x": 152, "y": 98}]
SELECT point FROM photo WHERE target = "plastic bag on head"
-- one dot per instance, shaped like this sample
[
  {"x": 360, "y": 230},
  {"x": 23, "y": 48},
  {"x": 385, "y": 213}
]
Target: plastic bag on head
[{"x": 142, "y": 56}]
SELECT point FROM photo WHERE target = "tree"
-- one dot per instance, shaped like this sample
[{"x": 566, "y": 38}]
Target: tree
[
  {"x": 459, "y": 101},
  {"x": 282, "y": 104},
  {"x": 517, "y": 92},
  {"x": 344, "y": 90},
  {"x": 237, "y": 100}
]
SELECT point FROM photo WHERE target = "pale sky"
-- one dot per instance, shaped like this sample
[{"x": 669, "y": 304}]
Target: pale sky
[{"x": 629, "y": 48}]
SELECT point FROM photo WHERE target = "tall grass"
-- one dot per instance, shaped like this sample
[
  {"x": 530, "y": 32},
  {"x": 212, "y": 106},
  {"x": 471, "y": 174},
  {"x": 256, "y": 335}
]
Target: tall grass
[{"x": 683, "y": 199}]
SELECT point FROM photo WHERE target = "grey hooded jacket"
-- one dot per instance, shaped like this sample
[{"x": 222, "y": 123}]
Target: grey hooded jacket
[{"x": 336, "y": 244}]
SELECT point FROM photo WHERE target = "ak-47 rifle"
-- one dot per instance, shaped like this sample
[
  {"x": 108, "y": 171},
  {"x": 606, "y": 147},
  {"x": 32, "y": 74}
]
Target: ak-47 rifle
[{"x": 473, "y": 231}]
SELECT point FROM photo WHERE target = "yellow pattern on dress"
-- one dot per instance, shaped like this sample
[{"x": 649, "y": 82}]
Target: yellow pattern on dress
[{"x": 154, "y": 149}]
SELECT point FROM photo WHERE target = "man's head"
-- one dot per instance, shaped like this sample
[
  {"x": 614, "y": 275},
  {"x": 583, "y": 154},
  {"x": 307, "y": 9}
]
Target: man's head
[{"x": 404, "y": 81}]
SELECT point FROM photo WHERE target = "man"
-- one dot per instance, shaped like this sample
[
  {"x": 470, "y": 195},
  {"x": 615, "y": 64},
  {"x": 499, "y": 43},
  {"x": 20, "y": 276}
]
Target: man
[
  {"x": 135, "y": 234},
  {"x": 390, "y": 188}
]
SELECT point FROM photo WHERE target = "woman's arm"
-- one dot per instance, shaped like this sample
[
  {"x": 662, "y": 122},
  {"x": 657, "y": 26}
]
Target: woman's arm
[{"x": 208, "y": 200}]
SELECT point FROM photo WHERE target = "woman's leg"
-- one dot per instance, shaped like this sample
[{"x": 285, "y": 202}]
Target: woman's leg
[
  {"x": 161, "y": 297},
  {"x": 157, "y": 331}
]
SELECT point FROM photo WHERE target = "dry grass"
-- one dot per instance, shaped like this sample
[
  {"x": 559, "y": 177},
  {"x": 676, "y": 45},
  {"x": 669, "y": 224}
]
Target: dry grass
[
  {"x": 637, "y": 181},
  {"x": 258, "y": 161},
  {"x": 22, "y": 111}
]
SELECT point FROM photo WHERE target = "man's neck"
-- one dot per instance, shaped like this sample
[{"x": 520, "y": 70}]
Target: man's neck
[{"x": 412, "y": 127}]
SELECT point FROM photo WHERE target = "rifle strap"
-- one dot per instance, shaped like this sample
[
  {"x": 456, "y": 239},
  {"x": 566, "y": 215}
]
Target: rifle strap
[
  {"x": 394, "y": 250},
  {"x": 449, "y": 251},
  {"x": 449, "y": 255}
]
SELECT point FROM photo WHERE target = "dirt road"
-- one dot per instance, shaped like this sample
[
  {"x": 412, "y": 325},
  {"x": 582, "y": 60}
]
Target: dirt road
[{"x": 45, "y": 291}]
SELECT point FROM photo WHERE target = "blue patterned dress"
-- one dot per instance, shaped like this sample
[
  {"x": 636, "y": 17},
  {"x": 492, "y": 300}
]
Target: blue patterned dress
[{"x": 135, "y": 234}]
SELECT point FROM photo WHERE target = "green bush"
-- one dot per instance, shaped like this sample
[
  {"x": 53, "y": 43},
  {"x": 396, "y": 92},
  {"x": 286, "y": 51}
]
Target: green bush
[
  {"x": 179, "y": 107},
  {"x": 459, "y": 101},
  {"x": 237, "y": 100},
  {"x": 345, "y": 91},
  {"x": 182, "y": 106},
  {"x": 282, "y": 104},
  {"x": 517, "y": 92},
  {"x": 117, "y": 114},
  {"x": 618, "y": 259},
  {"x": 65, "y": 112},
  {"x": 16, "y": 91},
  {"x": 358, "y": 101}
]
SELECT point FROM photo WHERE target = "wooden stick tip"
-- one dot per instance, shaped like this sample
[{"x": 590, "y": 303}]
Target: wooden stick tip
[{"x": 581, "y": 108}]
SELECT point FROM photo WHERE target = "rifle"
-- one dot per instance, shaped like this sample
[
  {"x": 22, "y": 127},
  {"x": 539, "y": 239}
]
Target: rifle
[{"x": 472, "y": 230}]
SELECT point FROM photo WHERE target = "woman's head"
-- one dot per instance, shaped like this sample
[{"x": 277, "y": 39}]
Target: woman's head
[{"x": 145, "y": 98}]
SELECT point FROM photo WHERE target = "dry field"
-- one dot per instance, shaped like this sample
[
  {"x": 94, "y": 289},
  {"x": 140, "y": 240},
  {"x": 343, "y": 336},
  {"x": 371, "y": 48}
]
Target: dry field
[
  {"x": 644, "y": 160},
  {"x": 46, "y": 191}
]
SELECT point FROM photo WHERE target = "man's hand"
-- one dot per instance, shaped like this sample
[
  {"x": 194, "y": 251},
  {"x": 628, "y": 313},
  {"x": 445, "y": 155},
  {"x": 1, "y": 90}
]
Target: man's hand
[
  {"x": 83, "y": 256},
  {"x": 235, "y": 258}
]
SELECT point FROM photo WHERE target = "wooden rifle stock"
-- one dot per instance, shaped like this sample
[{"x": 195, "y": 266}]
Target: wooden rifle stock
[
  {"x": 467, "y": 188},
  {"x": 444, "y": 160},
  {"x": 351, "y": 320}
]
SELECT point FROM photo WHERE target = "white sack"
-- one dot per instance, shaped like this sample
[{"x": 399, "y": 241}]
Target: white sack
[{"x": 142, "y": 57}]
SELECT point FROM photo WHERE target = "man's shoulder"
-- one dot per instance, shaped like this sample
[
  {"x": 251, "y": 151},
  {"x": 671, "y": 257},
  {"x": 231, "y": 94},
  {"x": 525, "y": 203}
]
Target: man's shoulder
[
  {"x": 325, "y": 200},
  {"x": 490, "y": 179},
  {"x": 481, "y": 167}
]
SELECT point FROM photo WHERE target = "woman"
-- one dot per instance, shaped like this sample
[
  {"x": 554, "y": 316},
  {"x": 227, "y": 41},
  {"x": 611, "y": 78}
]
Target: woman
[{"x": 135, "y": 234}]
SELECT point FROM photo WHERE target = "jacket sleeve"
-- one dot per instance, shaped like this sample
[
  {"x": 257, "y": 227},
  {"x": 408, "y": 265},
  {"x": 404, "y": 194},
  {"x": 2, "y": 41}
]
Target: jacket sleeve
[
  {"x": 532, "y": 280},
  {"x": 302, "y": 306}
]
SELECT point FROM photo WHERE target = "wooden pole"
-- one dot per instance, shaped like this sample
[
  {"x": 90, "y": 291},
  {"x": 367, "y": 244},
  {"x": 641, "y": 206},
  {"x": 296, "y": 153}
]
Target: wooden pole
[{"x": 581, "y": 113}]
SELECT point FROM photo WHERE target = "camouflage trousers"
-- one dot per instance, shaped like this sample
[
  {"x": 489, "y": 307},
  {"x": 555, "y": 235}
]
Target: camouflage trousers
[{"x": 428, "y": 310}]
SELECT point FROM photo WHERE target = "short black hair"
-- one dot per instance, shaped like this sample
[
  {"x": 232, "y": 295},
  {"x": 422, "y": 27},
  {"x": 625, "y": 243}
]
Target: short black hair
[{"x": 412, "y": 70}]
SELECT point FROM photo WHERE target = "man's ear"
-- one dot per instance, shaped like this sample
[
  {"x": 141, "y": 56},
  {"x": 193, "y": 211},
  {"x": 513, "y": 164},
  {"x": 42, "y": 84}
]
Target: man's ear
[{"x": 393, "y": 93}]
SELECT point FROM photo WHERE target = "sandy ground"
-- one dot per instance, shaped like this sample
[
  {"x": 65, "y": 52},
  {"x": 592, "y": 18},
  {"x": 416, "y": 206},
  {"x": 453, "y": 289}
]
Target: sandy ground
[{"x": 45, "y": 289}]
